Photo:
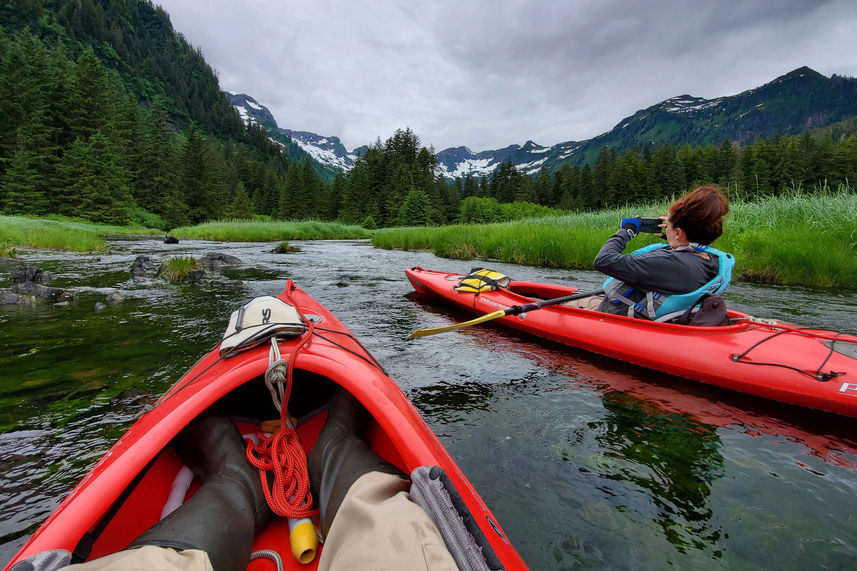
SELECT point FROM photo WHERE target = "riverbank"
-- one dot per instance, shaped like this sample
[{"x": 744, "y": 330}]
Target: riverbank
[
  {"x": 255, "y": 231},
  {"x": 82, "y": 236},
  {"x": 59, "y": 234},
  {"x": 808, "y": 240}
]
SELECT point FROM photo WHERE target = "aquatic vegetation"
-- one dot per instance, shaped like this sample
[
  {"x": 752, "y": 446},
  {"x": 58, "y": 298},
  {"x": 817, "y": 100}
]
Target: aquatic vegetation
[
  {"x": 7, "y": 249},
  {"x": 178, "y": 270}
]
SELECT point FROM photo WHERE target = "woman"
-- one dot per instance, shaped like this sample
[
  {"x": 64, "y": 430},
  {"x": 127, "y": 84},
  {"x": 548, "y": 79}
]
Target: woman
[{"x": 663, "y": 279}]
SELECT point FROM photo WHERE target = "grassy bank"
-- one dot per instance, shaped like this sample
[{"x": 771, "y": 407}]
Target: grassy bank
[
  {"x": 253, "y": 231},
  {"x": 58, "y": 234},
  {"x": 789, "y": 240}
]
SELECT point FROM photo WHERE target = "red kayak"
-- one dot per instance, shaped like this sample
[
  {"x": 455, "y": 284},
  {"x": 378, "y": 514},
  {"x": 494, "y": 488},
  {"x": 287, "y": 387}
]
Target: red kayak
[
  {"x": 127, "y": 490},
  {"x": 802, "y": 366}
]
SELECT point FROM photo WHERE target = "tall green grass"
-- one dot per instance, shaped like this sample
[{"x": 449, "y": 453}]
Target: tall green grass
[
  {"x": 177, "y": 270},
  {"x": 793, "y": 239},
  {"x": 258, "y": 231},
  {"x": 59, "y": 233},
  {"x": 49, "y": 234}
]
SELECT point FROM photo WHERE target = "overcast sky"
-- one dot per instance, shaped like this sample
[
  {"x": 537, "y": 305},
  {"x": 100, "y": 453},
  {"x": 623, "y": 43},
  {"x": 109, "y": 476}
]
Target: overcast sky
[{"x": 488, "y": 74}]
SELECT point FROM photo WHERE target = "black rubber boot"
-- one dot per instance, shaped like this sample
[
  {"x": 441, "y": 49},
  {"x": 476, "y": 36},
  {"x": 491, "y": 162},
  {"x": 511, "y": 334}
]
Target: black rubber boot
[
  {"x": 222, "y": 518},
  {"x": 339, "y": 457}
]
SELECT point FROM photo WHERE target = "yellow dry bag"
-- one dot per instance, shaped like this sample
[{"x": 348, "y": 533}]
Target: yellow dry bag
[{"x": 480, "y": 279}]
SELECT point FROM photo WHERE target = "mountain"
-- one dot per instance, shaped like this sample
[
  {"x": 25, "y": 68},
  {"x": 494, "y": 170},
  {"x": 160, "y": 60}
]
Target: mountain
[
  {"x": 328, "y": 154},
  {"x": 791, "y": 104},
  {"x": 327, "y": 150},
  {"x": 529, "y": 159}
]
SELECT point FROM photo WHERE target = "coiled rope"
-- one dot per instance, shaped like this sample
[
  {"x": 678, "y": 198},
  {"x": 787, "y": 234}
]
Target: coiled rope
[{"x": 282, "y": 453}]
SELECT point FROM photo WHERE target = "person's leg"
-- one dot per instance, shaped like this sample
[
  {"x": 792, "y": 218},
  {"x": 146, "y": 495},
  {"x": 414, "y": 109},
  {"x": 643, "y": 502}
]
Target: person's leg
[
  {"x": 366, "y": 514},
  {"x": 220, "y": 520},
  {"x": 379, "y": 527},
  {"x": 588, "y": 302},
  {"x": 147, "y": 558}
]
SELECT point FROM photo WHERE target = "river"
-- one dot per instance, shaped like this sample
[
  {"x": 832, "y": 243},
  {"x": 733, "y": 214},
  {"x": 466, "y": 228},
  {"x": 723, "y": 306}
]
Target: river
[{"x": 586, "y": 462}]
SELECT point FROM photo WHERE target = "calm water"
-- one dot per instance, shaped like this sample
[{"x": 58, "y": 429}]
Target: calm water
[{"x": 587, "y": 463}]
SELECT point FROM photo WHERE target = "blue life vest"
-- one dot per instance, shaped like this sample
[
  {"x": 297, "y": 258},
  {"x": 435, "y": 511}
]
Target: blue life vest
[{"x": 656, "y": 304}]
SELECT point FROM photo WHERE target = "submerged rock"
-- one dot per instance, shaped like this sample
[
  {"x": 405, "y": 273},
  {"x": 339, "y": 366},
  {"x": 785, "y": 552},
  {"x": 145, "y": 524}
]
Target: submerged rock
[
  {"x": 115, "y": 297},
  {"x": 9, "y": 298},
  {"x": 143, "y": 266},
  {"x": 39, "y": 292},
  {"x": 217, "y": 260},
  {"x": 284, "y": 248},
  {"x": 23, "y": 274}
]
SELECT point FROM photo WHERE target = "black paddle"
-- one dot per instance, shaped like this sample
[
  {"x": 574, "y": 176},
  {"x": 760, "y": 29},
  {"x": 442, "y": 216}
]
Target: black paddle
[{"x": 513, "y": 310}]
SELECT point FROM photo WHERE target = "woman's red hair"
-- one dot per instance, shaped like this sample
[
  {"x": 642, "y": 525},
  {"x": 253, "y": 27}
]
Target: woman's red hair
[{"x": 700, "y": 213}]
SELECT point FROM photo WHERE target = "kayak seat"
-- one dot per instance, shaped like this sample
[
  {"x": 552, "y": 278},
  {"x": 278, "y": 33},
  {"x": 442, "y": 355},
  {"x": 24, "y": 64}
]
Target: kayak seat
[
  {"x": 432, "y": 490},
  {"x": 707, "y": 311}
]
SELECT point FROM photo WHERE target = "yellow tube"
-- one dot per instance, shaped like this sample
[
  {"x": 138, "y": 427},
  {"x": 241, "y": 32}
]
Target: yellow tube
[{"x": 303, "y": 539}]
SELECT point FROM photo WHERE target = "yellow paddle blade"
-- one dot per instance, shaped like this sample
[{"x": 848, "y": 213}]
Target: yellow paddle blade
[{"x": 478, "y": 320}]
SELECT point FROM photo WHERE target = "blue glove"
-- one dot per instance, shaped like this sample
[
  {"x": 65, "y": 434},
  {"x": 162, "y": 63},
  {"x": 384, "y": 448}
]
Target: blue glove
[{"x": 631, "y": 225}]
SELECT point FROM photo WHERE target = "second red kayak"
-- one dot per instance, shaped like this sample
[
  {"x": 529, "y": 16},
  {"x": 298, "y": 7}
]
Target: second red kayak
[{"x": 788, "y": 363}]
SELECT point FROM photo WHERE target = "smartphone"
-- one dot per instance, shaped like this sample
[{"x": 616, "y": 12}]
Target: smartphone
[{"x": 651, "y": 225}]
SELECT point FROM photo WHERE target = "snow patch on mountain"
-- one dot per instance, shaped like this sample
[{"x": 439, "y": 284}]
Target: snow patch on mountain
[
  {"x": 327, "y": 150},
  {"x": 474, "y": 167},
  {"x": 689, "y": 104}
]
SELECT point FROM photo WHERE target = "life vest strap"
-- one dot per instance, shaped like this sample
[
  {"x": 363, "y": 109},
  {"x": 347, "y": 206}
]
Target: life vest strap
[{"x": 657, "y": 304}]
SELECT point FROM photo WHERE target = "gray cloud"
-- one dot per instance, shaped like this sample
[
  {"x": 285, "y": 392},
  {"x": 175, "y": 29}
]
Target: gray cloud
[{"x": 489, "y": 74}]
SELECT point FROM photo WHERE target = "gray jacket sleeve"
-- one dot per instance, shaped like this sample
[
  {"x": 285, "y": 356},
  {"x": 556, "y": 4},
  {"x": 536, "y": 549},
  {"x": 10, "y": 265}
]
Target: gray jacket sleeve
[{"x": 662, "y": 270}]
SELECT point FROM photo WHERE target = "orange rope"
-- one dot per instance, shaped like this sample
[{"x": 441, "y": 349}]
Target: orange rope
[{"x": 282, "y": 454}]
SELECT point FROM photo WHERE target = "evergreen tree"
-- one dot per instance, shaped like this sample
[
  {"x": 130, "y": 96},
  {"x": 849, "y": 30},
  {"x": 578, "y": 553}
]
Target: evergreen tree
[
  {"x": 335, "y": 197},
  {"x": 605, "y": 194},
  {"x": 21, "y": 186},
  {"x": 291, "y": 195},
  {"x": 542, "y": 188},
  {"x": 90, "y": 106},
  {"x": 414, "y": 209},
  {"x": 356, "y": 205},
  {"x": 471, "y": 186},
  {"x": 98, "y": 190},
  {"x": 727, "y": 165},
  {"x": 241, "y": 207},
  {"x": 195, "y": 178}
]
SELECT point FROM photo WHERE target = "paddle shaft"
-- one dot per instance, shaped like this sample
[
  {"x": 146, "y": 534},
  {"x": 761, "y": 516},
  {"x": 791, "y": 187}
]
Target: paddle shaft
[
  {"x": 513, "y": 310},
  {"x": 519, "y": 309}
]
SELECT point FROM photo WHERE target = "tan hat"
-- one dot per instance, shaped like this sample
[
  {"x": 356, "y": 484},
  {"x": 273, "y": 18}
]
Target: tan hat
[{"x": 258, "y": 321}]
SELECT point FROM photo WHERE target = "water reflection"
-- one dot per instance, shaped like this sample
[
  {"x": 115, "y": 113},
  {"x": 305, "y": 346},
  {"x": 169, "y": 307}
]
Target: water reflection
[{"x": 662, "y": 467}]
